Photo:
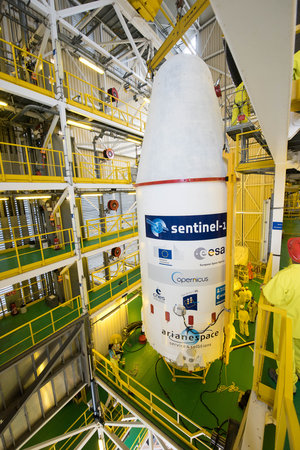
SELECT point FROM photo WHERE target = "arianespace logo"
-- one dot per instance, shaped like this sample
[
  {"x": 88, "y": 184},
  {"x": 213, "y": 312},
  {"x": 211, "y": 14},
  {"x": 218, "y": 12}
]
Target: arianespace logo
[
  {"x": 179, "y": 278},
  {"x": 201, "y": 253},
  {"x": 189, "y": 336},
  {"x": 186, "y": 228}
]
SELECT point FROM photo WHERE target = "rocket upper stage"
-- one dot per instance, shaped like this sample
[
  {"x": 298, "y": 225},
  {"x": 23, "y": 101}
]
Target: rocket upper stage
[{"x": 184, "y": 132}]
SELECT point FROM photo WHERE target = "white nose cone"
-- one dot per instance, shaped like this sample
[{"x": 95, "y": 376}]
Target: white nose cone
[{"x": 181, "y": 196}]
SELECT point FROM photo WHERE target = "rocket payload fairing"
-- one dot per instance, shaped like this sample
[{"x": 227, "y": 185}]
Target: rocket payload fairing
[{"x": 181, "y": 201}]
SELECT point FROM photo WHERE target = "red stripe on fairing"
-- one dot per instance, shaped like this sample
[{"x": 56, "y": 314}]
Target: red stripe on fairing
[{"x": 183, "y": 180}]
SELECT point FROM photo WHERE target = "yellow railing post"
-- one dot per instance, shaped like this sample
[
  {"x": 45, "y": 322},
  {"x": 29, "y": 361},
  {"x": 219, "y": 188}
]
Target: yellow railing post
[
  {"x": 14, "y": 59},
  {"x": 41, "y": 247},
  {"x": 28, "y": 163},
  {"x": 31, "y": 333},
  {"x": 2, "y": 169},
  {"x": 52, "y": 321}
]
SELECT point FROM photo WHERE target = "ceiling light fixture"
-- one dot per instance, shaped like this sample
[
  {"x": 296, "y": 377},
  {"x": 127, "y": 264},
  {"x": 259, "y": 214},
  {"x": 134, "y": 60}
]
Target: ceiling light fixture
[
  {"x": 146, "y": 99},
  {"x": 94, "y": 194},
  {"x": 3, "y": 103},
  {"x": 33, "y": 197},
  {"x": 131, "y": 193},
  {"x": 134, "y": 140},
  {"x": 3, "y": 198},
  {"x": 79, "y": 124},
  {"x": 91, "y": 65}
]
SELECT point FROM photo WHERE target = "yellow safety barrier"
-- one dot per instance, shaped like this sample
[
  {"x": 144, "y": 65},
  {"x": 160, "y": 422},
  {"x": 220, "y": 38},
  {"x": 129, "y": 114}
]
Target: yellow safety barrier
[
  {"x": 23, "y": 68},
  {"x": 83, "y": 420},
  {"x": 251, "y": 153},
  {"x": 27, "y": 163},
  {"x": 110, "y": 282},
  {"x": 172, "y": 419},
  {"x": 281, "y": 398},
  {"x": 86, "y": 96},
  {"x": 27, "y": 335},
  {"x": 106, "y": 230},
  {"x": 30, "y": 252},
  {"x": 94, "y": 169},
  {"x": 26, "y": 295},
  {"x": 292, "y": 205},
  {"x": 114, "y": 270}
]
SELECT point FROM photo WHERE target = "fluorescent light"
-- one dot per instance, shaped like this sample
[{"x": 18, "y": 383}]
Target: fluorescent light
[
  {"x": 3, "y": 198},
  {"x": 3, "y": 103},
  {"x": 91, "y": 65},
  {"x": 146, "y": 99},
  {"x": 131, "y": 193},
  {"x": 79, "y": 124},
  {"x": 33, "y": 197},
  {"x": 94, "y": 194},
  {"x": 135, "y": 141}
]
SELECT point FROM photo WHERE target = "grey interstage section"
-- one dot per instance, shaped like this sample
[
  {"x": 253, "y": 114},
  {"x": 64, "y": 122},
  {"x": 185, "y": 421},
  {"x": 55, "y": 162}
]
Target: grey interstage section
[{"x": 24, "y": 409}]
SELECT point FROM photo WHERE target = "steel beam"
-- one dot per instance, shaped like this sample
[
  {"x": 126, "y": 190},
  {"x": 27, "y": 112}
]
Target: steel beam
[
  {"x": 113, "y": 437},
  {"x": 85, "y": 7},
  {"x": 125, "y": 424},
  {"x": 39, "y": 380},
  {"x": 35, "y": 272},
  {"x": 129, "y": 37},
  {"x": 147, "y": 424},
  {"x": 74, "y": 31},
  {"x": 63, "y": 437},
  {"x": 85, "y": 439}
]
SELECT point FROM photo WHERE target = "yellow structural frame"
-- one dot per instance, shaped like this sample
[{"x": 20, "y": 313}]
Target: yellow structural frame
[
  {"x": 53, "y": 322},
  {"x": 281, "y": 398},
  {"x": 127, "y": 116},
  {"x": 146, "y": 401}
]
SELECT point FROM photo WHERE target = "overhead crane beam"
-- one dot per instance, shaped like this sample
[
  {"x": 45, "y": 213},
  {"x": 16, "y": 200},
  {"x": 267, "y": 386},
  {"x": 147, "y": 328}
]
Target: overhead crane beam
[{"x": 179, "y": 30}]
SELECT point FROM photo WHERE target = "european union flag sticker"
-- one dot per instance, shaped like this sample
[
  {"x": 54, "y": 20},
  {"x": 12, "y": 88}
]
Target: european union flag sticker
[{"x": 164, "y": 254}]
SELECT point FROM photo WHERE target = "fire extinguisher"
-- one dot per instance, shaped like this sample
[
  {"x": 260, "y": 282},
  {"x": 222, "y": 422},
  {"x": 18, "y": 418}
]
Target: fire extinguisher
[
  {"x": 13, "y": 309},
  {"x": 43, "y": 154},
  {"x": 116, "y": 252},
  {"x": 56, "y": 243},
  {"x": 59, "y": 278},
  {"x": 52, "y": 221},
  {"x": 113, "y": 205}
]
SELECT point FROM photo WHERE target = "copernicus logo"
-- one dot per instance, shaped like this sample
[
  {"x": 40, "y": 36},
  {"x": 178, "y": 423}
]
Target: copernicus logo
[{"x": 179, "y": 278}]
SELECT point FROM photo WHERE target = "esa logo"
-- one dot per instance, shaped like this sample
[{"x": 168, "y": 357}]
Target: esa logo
[{"x": 201, "y": 253}]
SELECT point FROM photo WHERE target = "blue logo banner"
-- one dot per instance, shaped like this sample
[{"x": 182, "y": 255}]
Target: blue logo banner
[{"x": 186, "y": 228}]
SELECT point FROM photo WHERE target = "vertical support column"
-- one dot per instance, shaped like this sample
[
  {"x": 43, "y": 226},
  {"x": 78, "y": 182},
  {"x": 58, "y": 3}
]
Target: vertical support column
[
  {"x": 58, "y": 64},
  {"x": 276, "y": 235}
]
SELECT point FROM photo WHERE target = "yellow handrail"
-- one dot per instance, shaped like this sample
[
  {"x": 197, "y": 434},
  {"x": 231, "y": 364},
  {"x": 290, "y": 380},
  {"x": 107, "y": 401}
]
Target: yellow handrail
[
  {"x": 18, "y": 66},
  {"x": 114, "y": 269},
  {"x": 160, "y": 410},
  {"x": 94, "y": 169},
  {"x": 281, "y": 398},
  {"x": 43, "y": 166},
  {"x": 35, "y": 330},
  {"x": 19, "y": 258},
  {"x": 89, "y": 97}
]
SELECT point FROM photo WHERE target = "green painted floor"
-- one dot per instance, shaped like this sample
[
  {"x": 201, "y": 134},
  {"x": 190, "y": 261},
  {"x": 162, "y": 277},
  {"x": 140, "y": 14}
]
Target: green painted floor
[
  {"x": 41, "y": 327},
  {"x": 27, "y": 255}
]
